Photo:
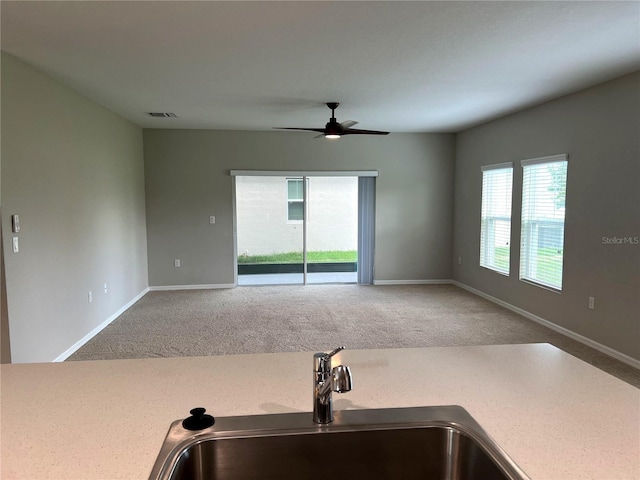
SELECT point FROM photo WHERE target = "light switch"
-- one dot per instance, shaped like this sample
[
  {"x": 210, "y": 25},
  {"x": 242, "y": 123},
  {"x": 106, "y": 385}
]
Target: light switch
[
  {"x": 212, "y": 219},
  {"x": 16, "y": 245},
  {"x": 15, "y": 223}
]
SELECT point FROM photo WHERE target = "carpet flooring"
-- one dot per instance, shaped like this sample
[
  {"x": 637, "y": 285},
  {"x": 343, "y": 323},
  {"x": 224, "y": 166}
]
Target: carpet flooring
[{"x": 270, "y": 319}]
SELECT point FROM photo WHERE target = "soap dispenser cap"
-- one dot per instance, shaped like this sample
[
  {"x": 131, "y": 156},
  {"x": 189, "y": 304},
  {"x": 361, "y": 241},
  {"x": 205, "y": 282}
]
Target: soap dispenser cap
[{"x": 198, "y": 420}]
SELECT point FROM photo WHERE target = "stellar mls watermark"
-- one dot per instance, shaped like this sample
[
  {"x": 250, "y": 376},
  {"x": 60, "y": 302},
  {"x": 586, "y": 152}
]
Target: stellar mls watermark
[{"x": 620, "y": 240}]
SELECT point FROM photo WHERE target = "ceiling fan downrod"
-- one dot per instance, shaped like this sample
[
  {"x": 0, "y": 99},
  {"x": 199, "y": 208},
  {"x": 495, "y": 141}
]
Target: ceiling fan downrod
[{"x": 333, "y": 106}]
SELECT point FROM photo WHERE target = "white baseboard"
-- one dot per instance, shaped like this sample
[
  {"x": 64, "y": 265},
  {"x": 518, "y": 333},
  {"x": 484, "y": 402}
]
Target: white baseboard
[
  {"x": 564, "y": 331},
  {"x": 191, "y": 287},
  {"x": 70, "y": 351},
  {"x": 412, "y": 282}
]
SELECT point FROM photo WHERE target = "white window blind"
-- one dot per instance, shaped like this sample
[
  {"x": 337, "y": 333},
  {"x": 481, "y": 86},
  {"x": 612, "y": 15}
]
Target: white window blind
[
  {"x": 543, "y": 208},
  {"x": 495, "y": 227}
]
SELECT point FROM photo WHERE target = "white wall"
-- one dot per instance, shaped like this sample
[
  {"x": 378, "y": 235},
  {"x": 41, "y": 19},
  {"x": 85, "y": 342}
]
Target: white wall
[
  {"x": 73, "y": 171},
  {"x": 187, "y": 180},
  {"x": 598, "y": 128},
  {"x": 264, "y": 228}
]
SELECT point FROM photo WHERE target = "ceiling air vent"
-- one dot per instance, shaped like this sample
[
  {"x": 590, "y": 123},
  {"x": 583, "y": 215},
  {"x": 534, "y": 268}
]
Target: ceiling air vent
[{"x": 162, "y": 114}]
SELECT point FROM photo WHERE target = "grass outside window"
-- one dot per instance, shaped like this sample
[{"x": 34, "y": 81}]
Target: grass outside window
[
  {"x": 331, "y": 256},
  {"x": 551, "y": 258}
]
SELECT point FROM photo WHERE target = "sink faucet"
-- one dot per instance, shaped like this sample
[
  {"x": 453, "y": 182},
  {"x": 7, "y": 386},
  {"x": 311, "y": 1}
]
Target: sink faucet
[{"x": 325, "y": 381}]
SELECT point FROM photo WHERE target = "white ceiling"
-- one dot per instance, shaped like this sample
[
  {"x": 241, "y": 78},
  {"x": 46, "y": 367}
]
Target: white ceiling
[{"x": 397, "y": 66}]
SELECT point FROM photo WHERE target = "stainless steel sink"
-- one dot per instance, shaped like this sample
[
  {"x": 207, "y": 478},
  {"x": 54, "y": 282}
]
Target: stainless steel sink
[{"x": 399, "y": 443}]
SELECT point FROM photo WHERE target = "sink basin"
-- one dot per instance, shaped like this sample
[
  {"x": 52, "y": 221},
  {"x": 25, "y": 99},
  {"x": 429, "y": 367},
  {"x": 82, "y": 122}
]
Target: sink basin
[{"x": 399, "y": 443}]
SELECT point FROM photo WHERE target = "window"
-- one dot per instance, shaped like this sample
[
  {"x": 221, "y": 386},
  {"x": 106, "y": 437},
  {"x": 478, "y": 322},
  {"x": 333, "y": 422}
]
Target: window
[
  {"x": 495, "y": 227},
  {"x": 542, "y": 235},
  {"x": 295, "y": 199}
]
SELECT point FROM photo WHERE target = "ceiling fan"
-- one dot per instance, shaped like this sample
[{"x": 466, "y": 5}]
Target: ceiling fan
[{"x": 333, "y": 129}]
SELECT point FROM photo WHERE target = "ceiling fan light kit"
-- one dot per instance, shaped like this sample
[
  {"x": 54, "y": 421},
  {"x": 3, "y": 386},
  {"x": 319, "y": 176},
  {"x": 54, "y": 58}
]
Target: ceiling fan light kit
[{"x": 334, "y": 130}]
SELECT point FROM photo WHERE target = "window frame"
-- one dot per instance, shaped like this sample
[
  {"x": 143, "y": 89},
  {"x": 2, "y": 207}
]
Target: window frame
[
  {"x": 291, "y": 201},
  {"x": 530, "y": 221},
  {"x": 487, "y": 234}
]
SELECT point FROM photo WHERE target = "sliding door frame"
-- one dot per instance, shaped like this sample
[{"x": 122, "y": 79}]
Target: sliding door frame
[{"x": 366, "y": 215}]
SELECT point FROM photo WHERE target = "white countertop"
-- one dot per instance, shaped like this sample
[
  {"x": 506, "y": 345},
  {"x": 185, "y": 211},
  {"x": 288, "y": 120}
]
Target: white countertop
[{"x": 555, "y": 416}]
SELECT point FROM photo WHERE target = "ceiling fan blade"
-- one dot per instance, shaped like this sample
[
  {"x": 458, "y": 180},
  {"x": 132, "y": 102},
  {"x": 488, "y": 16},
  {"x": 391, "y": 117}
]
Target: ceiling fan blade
[
  {"x": 321, "y": 130},
  {"x": 356, "y": 131},
  {"x": 333, "y": 129},
  {"x": 348, "y": 124}
]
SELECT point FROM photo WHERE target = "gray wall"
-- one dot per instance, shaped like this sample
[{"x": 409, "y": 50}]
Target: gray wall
[
  {"x": 187, "y": 180},
  {"x": 73, "y": 171},
  {"x": 598, "y": 128}
]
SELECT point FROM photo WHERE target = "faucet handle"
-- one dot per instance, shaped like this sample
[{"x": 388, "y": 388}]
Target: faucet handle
[
  {"x": 333, "y": 352},
  {"x": 322, "y": 360}
]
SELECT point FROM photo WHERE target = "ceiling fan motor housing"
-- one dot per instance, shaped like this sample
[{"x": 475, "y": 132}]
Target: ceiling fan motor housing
[{"x": 333, "y": 128}]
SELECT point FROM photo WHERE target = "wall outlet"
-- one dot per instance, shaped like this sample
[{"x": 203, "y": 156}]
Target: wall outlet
[
  {"x": 90, "y": 296},
  {"x": 212, "y": 219},
  {"x": 592, "y": 303},
  {"x": 176, "y": 263},
  {"x": 16, "y": 245},
  {"x": 106, "y": 290}
]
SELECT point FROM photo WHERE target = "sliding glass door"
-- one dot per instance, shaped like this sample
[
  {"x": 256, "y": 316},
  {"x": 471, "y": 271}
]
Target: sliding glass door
[
  {"x": 332, "y": 229},
  {"x": 269, "y": 230},
  {"x": 296, "y": 229}
]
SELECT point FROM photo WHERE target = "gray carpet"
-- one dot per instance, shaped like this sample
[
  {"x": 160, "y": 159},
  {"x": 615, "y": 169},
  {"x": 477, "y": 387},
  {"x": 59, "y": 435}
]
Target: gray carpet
[{"x": 271, "y": 319}]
